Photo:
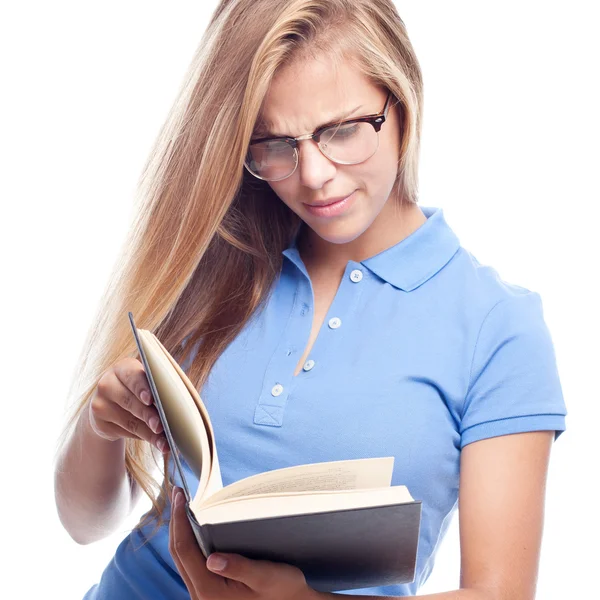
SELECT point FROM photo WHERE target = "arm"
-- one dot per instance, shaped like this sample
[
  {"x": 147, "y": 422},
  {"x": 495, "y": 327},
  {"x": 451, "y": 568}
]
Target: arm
[
  {"x": 501, "y": 503},
  {"x": 92, "y": 489}
]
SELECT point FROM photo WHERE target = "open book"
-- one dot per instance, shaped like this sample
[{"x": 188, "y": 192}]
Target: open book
[{"x": 340, "y": 522}]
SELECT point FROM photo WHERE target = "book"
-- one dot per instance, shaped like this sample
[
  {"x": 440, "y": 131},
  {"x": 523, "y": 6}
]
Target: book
[{"x": 341, "y": 522}]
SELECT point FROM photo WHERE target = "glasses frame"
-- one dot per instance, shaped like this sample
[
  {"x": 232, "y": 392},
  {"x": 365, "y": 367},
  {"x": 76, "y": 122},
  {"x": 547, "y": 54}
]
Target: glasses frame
[{"x": 376, "y": 120}]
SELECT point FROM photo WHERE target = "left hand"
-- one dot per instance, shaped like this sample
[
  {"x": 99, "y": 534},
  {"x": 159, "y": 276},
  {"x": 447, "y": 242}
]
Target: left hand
[{"x": 240, "y": 579}]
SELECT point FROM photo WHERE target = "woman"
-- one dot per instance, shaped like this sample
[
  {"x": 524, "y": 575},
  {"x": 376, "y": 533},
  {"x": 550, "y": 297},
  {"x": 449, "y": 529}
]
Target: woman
[{"x": 279, "y": 253}]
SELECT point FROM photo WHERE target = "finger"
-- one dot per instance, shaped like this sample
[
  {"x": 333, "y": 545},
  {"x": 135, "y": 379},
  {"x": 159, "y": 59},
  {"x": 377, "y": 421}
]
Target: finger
[
  {"x": 113, "y": 391},
  {"x": 187, "y": 556},
  {"x": 130, "y": 423},
  {"x": 116, "y": 432},
  {"x": 258, "y": 575},
  {"x": 121, "y": 423},
  {"x": 161, "y": 451},
  {"x": 174, "y": 546},
  {"x": 131, "y": 374},
  {"x": 115, "y": 402}
]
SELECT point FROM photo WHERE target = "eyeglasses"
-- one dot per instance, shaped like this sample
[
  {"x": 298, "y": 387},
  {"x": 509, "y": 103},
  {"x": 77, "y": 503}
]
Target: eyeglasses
[{"x": 347, "y": 143}]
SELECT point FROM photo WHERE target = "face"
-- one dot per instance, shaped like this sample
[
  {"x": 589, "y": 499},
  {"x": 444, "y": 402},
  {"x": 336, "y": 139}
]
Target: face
[{"x": 301, "y": 98}]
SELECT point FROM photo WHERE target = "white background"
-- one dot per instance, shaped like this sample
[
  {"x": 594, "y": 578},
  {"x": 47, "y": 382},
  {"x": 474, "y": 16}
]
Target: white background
[{"x": 510, "y": 151}]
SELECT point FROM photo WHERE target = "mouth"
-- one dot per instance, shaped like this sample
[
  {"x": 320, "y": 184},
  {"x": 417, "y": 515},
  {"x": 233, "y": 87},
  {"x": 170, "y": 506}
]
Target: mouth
[
  {"x": 331, "y": 207},
  {"x": 329, "y": 201}
]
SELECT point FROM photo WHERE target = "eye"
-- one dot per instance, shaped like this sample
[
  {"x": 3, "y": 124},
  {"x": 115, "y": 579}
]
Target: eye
[
  {"x": 340, "y": 132},
  {"x": 347, "y": 130},
  {"x": 276, "y": 146}
]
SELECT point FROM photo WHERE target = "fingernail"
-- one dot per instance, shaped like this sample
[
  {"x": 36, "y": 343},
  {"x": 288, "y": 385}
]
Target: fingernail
[
  {"x": 216, "y": 562},
  {"x": 174, "y": 493},
  {"x": 145, "y": 397}
]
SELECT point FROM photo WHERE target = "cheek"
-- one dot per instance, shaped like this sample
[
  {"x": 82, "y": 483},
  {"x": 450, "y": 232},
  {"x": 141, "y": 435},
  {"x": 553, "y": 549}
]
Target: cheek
[
  {"x": 379, "y": 172},
  {"x": 282, "y": 190},
  {"x": 386, "y": 170},
  {"x": 390, "y": 148}
]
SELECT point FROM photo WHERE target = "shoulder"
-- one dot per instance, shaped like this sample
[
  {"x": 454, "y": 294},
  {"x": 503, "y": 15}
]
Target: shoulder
[{"x": 482, "y": 289}]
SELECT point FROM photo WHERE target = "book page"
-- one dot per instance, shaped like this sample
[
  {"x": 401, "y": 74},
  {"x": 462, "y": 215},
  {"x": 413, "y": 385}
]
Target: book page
[
  {"x": 336, "y": 475},
  {"x": 183, "y": 417},
  {"x": 285, "y": 504},
  {"x": 213, "y": 482}
]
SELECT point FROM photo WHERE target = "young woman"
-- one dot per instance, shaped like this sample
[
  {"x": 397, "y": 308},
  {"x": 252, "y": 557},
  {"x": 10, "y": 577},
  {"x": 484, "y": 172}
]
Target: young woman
[{"x": 280, "y": 254}]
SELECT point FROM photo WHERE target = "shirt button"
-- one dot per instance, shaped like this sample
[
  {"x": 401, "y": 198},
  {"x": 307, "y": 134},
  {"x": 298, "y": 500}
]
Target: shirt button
[
  {"x": 277, "y": 389},
  {"x": 335, "y": 323},
  {"x": 308, "y": 365},
  {"x": 356, "y": 275}
]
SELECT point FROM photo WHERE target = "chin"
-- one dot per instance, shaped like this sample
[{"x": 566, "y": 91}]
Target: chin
[{"x": 338, "y": 235}]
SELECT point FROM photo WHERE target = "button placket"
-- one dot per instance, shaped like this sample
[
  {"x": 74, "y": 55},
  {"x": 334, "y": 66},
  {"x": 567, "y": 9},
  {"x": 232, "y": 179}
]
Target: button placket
[
  {"x": 279, "y": 376},
  {"x": 341, "y": 308},
  {"x": 278, "y": 382}
]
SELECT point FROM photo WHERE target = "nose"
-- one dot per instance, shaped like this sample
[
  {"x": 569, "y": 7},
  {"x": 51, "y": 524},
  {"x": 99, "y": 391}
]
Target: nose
[{"x": 314, "y": 168}]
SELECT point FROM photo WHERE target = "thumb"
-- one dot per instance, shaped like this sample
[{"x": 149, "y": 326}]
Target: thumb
[{"x": 256, "y": 574}]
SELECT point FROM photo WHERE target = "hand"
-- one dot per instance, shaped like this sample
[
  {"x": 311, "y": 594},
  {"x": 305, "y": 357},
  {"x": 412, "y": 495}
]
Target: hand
[
  {"x": 240, "y": 579},
  {"x": 121, "y": 406}
]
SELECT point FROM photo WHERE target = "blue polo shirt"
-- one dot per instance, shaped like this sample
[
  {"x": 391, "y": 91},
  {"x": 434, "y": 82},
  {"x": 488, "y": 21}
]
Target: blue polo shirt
[{"x": 423, "y": 351}]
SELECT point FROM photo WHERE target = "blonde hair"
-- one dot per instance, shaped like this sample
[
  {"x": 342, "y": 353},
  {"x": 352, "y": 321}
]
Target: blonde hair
[{"x": 205, "y": 243}]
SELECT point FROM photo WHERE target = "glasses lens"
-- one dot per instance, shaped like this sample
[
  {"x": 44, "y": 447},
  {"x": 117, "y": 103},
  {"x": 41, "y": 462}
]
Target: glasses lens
[
  {"x": 349, "y": 143},
  {"x": 271, "y": 160}
]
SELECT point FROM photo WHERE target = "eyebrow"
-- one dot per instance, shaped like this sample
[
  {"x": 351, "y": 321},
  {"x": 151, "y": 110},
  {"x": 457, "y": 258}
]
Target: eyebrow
[{"x": 265, "y": 128}]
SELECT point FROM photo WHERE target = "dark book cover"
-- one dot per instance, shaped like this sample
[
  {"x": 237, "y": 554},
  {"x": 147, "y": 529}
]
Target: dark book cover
[{"x": 342, "y": 550}]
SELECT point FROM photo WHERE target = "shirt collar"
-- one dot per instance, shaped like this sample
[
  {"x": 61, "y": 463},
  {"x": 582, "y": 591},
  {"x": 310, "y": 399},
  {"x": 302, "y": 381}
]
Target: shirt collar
[{"x": 412, "y": 261}]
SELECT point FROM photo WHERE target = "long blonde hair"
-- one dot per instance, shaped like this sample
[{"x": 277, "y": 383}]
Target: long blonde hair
[{"x": 205, "y": 243}]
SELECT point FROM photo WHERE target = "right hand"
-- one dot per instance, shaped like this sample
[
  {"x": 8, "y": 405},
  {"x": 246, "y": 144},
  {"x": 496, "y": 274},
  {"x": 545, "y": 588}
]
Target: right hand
[{"x": 122, "y": 407}]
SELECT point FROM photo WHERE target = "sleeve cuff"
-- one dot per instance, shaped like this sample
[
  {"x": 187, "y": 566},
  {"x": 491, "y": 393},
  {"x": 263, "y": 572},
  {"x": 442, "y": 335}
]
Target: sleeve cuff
[{"x": 513, "y": 425}]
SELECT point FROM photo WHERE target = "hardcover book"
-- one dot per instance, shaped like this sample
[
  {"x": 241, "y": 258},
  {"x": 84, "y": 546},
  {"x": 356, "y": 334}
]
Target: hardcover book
[{"x": 341, "y": 522}]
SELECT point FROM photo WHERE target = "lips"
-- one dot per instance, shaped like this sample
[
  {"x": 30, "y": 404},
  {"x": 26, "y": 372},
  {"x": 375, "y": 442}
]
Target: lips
[
  {"x": 333, "y": 208},
  {"x": 329, "y": 201}
]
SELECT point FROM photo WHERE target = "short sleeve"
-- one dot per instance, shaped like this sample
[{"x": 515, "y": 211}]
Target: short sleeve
[{"x": 514, "y": 385}]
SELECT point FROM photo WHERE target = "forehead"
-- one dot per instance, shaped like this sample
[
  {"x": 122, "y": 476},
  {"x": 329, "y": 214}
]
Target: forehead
[{"x": 307, "y": 93}]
